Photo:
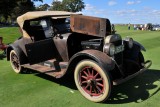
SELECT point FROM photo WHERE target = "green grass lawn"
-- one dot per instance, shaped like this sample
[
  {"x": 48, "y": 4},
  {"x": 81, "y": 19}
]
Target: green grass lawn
[{"x": 37, "y": 90}]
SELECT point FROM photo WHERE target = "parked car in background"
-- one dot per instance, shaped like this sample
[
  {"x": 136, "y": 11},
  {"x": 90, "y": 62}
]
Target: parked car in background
[
  {"x": 156, "y": 27},
  {"x": 57, "y": 42}
]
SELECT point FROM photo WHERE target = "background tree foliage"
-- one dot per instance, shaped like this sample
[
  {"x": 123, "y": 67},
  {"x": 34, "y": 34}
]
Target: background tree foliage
[
  {"x": 43, "y": 7},
  {"x": 73, "y": 5},
  {"x": 21, "y": 8},
  {"x": 56, "y": 5},
  {"x": 11, "y": 9},
  {"x": 14, "y": 8},
  {"x": 6, "y": 7},
  {"x": 68, "y": 5}
]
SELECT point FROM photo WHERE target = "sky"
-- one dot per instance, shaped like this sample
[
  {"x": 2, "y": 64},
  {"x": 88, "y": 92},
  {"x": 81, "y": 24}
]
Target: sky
[{"x": 123, "y": 11}]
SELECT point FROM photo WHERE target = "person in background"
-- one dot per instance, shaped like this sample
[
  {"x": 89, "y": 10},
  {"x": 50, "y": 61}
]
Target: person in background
[
  {"x": 129, "y": 26},
  {"x": 145, "y": 27},
  {"x": 113, "y": 29},
  {"x": 141, "y": 27},
  {"x": 135, "y": 27}
]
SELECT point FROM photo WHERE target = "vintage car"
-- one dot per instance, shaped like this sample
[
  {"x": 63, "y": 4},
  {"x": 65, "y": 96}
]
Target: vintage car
[{"x": 57, "y": 42}]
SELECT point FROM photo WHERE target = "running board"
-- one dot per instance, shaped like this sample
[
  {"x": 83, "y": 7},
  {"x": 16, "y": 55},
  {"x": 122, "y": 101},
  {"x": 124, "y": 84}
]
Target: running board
[
  {"x": 58, "y": 71},
  {"x": 147, "y": 64}
]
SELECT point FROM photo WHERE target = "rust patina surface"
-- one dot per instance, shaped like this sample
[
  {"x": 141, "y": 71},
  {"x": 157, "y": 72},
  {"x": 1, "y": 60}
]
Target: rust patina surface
[{"x": 90, "y": 25}]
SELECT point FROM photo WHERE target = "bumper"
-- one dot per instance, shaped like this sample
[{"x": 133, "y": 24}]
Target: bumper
[{"x": 147, "y": 64}]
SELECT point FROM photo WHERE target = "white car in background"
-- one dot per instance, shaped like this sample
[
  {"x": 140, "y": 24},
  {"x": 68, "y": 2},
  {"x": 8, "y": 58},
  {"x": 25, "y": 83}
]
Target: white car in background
[{"x": 156, "y": 27}]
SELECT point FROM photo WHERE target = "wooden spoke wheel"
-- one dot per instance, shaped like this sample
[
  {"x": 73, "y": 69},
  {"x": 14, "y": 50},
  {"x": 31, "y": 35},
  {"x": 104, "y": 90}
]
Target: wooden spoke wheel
[
  {"x": 92, "y": 81},
  {"x": 15, "y": 63}
]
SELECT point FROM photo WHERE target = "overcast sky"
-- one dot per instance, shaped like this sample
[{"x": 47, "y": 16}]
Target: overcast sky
[{"x": 123, "y": 11}]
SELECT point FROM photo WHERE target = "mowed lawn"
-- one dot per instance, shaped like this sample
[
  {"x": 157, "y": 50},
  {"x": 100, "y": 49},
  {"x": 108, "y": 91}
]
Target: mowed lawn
[{"x": 38, "y": 90}]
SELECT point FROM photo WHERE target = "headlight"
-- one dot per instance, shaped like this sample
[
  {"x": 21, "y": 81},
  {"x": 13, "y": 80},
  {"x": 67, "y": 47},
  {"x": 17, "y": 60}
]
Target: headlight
[
  {"x": 109, "y": 49},
  {"x": 129, "y": 42}
]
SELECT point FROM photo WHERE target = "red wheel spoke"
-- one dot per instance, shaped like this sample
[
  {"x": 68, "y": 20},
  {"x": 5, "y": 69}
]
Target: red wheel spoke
[
  {"x": 85, "y": 73},
  {"x": 84, "y": 77},
  {"x": 100, "y": 84},
  {"x": 99, "y": 79},
  {"x": 96, "y": 75},
  {"x": 87, "y": 86},
  {"x": 99, "y": 89},
  {"x": 95, "y": 90},
  {"x": 92, "y": 72},
  {"x": 88, "y": 71},
  {"x": 84, "y": 82}
]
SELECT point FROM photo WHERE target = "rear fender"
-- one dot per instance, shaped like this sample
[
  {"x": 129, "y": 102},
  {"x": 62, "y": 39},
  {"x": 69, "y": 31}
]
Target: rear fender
[
  {"x": 104, "y": 60},
  {"x": 22, "y": 57},
  {"x": 9, "y": 49}
]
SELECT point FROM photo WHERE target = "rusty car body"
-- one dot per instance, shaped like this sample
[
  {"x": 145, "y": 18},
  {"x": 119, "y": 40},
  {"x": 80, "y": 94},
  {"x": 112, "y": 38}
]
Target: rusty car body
[{"x": 57, "y": 42}]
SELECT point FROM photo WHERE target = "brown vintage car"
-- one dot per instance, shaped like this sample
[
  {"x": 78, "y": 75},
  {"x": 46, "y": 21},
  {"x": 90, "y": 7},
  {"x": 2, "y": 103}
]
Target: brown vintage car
[{"x": 57, "y": 42}]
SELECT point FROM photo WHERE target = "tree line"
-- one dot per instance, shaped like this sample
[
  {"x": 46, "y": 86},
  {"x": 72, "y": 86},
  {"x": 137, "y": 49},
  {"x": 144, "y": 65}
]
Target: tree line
[{"x": 11, "y": 9}]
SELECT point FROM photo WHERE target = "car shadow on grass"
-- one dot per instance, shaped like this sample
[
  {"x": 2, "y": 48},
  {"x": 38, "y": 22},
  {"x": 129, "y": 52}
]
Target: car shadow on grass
[
  {"x": 67, "y": 80},
  {"x": 134, "y": 90},
  {"x": 137, "y": 89}
]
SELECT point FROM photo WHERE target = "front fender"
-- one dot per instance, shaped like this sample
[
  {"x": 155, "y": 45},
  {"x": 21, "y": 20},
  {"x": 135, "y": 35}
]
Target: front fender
[
  {"x": 104, "y": 60},
  {"x": 140, "y": 45}
]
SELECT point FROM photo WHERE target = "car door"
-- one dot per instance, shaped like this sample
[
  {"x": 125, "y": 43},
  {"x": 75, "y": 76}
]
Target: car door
[{"x": 40, "y": 51}]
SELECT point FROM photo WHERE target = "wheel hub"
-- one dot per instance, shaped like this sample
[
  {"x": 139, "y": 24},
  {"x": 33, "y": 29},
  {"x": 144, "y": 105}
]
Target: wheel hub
[{"x": 91, "y": 82}]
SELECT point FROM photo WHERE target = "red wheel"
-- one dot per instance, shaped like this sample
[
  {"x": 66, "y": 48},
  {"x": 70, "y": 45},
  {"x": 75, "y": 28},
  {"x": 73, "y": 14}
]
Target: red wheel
[
  {"x": 92, "y": 81},
  {"x": 15, "y": 63}
]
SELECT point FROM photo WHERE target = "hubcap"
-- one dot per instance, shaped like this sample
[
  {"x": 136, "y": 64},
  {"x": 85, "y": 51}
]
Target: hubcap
[{"x": 91, "y": 81}]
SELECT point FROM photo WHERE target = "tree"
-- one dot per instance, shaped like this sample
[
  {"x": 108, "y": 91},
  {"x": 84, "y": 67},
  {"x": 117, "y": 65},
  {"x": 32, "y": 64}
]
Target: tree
[
  {"x": 57, "y": 5},
  {"x": 10, "y": 8},
  {"x": 73, "y": 5},
  {"x": 6, "y": 7},
  {"x": 43, "y": 7},
  {"x": 68, "y": 5},
  {"x": 21, "y": 8}
]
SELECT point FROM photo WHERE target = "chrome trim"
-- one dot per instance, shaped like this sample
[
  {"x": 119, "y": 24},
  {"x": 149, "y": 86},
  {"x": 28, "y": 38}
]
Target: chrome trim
[
  {"x": 129, "y": 41},
  {"x": 118, "y": 49},
  {"x": 107, "y": 39},
  {"x": 107, "y": 48},
  {"x": 112, "y": 38}
]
